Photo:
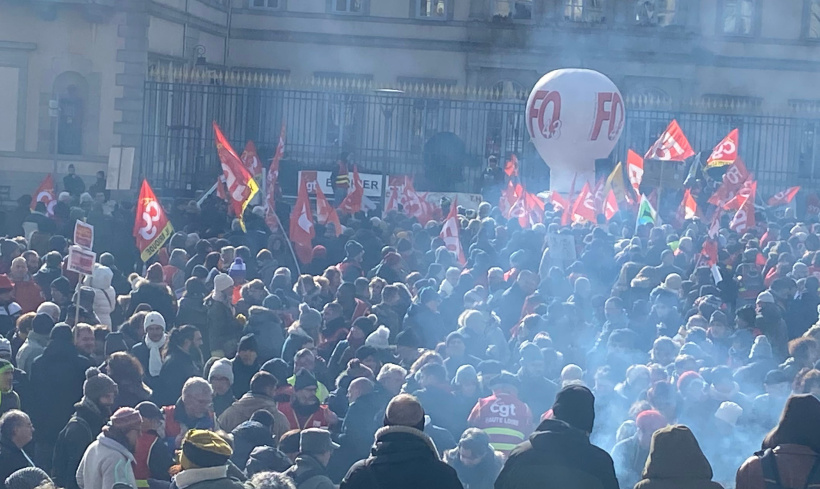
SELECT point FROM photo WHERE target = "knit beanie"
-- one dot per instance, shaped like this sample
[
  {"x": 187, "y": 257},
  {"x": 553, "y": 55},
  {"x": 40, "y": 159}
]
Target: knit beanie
[
  {"x": 309, "y": 318},
  {"x": 221, "y": 368},
  {"x": 278, "y": 368},
  {"x": 465, "y": 373},
  {"x": 42, "y": 324},
  {"x": 353, "y": 248},
  {"x": 61, "y": 333},
  {"x": 237, "y": 270},
  {"x": 530, "y": 353},
  {"x": 686, "y": 378},
  {"x": 247, "y": 342},
  {"x": 154, "y": 273},
  {"x": 114, "y": 342},
  {"x": 200, "y": 272},
  {"x": 575, "y": 405},
  {"x": 222, "y": 282},
  {"x": 27, "y": 478},
  {"x": 125, "y": 419},
  {"x": 62, "y": 285},
  {"x": 650, "y": 421},
  {"x": 273, "y": 303},
  {"x": 408, "y": 338},
  {"x": 153, "y": 318},
  {"x": 761, "y": 349},
  {"x": 379, "y": 338},
  {"x": 729, "y": 412},
  {"x": 304, "y": 379},
  {"x": 203, "y": 448},
  {"x": 5, "y": 347},
  {"x": 97, "y": 384}
]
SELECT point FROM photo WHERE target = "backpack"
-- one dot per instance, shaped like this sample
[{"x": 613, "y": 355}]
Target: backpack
[{"x": 771, "y": 475}]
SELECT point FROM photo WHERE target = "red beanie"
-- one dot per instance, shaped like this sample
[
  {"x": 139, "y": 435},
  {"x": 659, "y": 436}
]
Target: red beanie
[
  {"x": 650, "y": 421},
  {"x": 686, "y": 378}
]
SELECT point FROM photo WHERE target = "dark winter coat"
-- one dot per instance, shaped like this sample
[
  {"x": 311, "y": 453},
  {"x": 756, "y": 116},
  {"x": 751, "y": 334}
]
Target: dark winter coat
[
  {"x": 223, "y": 330},
  {"x": 480, "y": 476},
  {"x": 308, "y": 473},
  {"x": 438, "y": 403},
  {"x": 179, "y": 366},
  {"x": 509, "y": 306},
  {"x": 246, "y": 437},
  {"x": 428, "y": 325},
  {"x": 242, "y": 375},
  {"x": 266, "y": 458},
  {"x": 159, "y": 297},
  {"x": 676, "y": 462},
  {"x": 537, "y": 392},
  {"x": 561, "y": 454},
  {"x": 80, "y": 431},
  {"x": 364, "y": 417},
  {"x": 44, "y": 277},
  {"x": 268, "y": 330},
  {"x": 143, "y": 354},
  {"x": 12, "y": 459},
  {"x": 56, "y": 384},
  {"x": 402, "y": 457}
]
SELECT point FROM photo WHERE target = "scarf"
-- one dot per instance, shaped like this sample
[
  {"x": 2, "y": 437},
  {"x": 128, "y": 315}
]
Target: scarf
[{"x": 154, "y": 356}]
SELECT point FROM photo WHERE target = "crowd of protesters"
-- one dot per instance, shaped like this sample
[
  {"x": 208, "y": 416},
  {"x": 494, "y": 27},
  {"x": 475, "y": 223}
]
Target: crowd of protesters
[{"x": 385, "y": 363}]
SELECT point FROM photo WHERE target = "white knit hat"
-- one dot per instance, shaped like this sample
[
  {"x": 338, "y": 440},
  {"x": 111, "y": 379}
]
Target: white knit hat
[
  {"x": 222, "y": 281},
  {"x": 221, "y": 368},
  {"x": 379, "y": 338},
  {"x": 729, "y": 412},
  {"x": 153, "y": 318}
]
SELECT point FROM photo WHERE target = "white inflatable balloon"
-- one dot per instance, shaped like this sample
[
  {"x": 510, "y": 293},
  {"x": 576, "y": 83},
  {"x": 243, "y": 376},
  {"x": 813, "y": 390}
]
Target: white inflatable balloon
[{"x": 574, "y": 117}]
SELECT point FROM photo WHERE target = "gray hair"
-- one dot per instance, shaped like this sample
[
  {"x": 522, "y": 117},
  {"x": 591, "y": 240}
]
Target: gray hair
[
  {"x": 271, "y": 480},
  {"x": 196, "y": 384},
  {"x": 10, "y": 421},
  {"x": 389, "y": 370}
]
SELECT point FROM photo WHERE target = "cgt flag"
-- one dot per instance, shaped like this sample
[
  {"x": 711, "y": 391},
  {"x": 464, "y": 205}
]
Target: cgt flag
[
  {"x": 745, "y": 216},
  {"x": 784, "y": 197},
  {"x": 241, "y": 186},
  {"x": 45, "y": 194},
  {"x": 634, "y": 168},
  {"x": 610, "y": 206},
  {"x": 151, "y": 226},
  {"x": 352, "y": 203},
  {"x": 725, "y": 153},
  {"x": 272, "y": 180},
  {"x": 302, "y": 230},
  {"x": 671, "y": 146},
  {"x": 250, "y": 159}
]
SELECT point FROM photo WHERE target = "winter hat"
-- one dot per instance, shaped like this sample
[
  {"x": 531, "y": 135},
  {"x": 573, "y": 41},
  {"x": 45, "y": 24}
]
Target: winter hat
[
  {"x": 203, "y": 448},
  {"x": 5, "y": 365},
  {"x": 505, "y": 378},
  {"x": 247, "y": 343},
  {"x": 149, "y": 410},
  {"x": 765, "y": 297},
  {"x": 27, "y": 478},
  {"x": 761, "y": 349},
  {"x": 51, "y": 309},
  {"x": 392, "y": 259},
  {"x": 5, "y": 347},
  {"x": 222, "y": 282},
  {"x": 221, "y": 368},
  {"x": 408, "y": 338},
  {"x": 97, "y": 384},
  {"x": 304, "y": 379},
  {"x": 273, "y": 303},
  {"x": 125, "y": 419},
  {"x": 353, "y": 248},
  {"x": 316, "y": 441},
  {"x": 465, "y": 373},
  {"x": 199, "y": 272},
  {"x": 154, "y": 273},
  {"x": 60, "y": 284},
  {"x": 687, "y": 378},
  {"x": 153, "y": 318},
  {"x": 729, "y": 412},
  {"x": 489, "y": 367},
  {"x": 61, "y": 333},
  {"x": 673, "y": 282},
  {"x": 276, "y": 367},
  {"x": 635, "y": 371},
  {"x": 367, "y": 324},
  {"x": 379, "y": 338},
  {"x": 309, "y": 318},
  {"x": 289, "y": 442},
  {"x": 692, "y": 349},
  {"x": 42, "y": 324},
  {"x": 575, "y": 405},
  {"x": 5, "y": 283},
  {"x": 114, "y": 342},
  {"x": 530, "y": 353},
  {"x": 650, "y": 421},
  {"x": 237, "y": 269}
]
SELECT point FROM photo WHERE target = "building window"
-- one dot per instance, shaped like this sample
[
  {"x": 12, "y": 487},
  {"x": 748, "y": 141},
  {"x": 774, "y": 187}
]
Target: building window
[
  {"x": 512, "y": 9},
  {"x": 813, "y": 28},
  {"x": 431, "y": 9},
  {"x": 739, "y": 17},
  {"x": 656, "y": 12},
  {"x": 355, "y": 7},
  {"x": 588, "y": 11},
  {"x": 267, "y": 4}
]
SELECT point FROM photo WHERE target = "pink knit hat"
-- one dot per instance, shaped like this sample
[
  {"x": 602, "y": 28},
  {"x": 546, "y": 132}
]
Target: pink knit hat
[{"x": 126, "y": 419}]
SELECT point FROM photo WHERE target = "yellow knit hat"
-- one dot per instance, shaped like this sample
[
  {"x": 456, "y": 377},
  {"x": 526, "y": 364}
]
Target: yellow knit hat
[{"x": 203, "y": 448}]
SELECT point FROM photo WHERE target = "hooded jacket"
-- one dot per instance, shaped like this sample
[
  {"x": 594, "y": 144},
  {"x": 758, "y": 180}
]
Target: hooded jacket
[
  {"x": 242, "y": 410},
  {"x": 106, "y": 464},
  {"x": 105, "y": 298},
  {"x": 559, "y": 453},
  {"x": 676, "y": 462},
  {"x": 403, "y": 457},
  {"x": 268, "y": 330},
  {"x": 80, "y": 431}
]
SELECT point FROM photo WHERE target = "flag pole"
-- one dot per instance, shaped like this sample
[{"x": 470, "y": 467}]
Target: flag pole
[
  {"x": 206, "y": 194},
  {"x": 290, "y": 246}
]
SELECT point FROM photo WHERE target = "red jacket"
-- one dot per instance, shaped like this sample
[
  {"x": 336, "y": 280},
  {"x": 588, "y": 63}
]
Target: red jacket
[
  {"x": 506, "y": 420},
  {"x": 28, "y": 294},
  {"x": 321, "y": 418}
]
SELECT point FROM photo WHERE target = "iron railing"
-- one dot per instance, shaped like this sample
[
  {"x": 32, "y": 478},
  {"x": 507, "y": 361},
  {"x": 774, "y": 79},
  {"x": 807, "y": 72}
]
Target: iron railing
[{"x": 443, "y": 132}]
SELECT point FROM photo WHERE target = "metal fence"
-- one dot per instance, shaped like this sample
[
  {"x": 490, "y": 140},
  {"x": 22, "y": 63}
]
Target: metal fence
[{"x": 442, "y": 133}]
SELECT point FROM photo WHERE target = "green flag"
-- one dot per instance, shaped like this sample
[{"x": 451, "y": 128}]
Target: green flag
[{"x": 646, "y": 214}]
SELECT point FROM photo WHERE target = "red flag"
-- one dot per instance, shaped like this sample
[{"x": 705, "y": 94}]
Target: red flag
[
  {"x": 745, "y": 216},
  {"x": 241, "y": 186},
  {"x": 610, "y": 205},
  {"x": 709, "y": 252},
  {"x": 45, "y": 194},
  {"x": 813, "y": 204},
  {"x": 302, "y": 230},
  {"x": 151, "y": 226},
  {"x": 690, "y": 207},
  {"x": 725, "y": 153},
  {"x": 735, "y": 202},
  {"x": 559, "y": 201},
  {"x": 529, "y": 210},
  {"x": 272, "y": 180},
  {"x": 671, "y": 146},
  {"x": 450, "y": 233},
  {"x": 634, "y": 168},
  {"x": 511, "y": 167},
  {"x": 221, "y": 191},
  {"x": 509, "y": 196},
  {"x": 250, "y": 159},
  {"x": 784, "y": 196},
  {"x": 584, "y": 206},
  {"x": 734, "y": 178},
  {"x": 598, "y": 195},
  {"x": 392, "y": 201},
  {"x": 325, "y": 213},
  {"x": 353, "y": 202}
]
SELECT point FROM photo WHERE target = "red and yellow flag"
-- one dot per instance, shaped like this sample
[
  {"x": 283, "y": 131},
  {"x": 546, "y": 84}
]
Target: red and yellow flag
[
  {"x": 151, "y": 226},
  {"x": 240, "y": 184}
]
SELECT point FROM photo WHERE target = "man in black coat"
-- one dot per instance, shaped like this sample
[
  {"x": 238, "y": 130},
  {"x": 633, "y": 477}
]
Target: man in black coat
[
  {"x": 560, "y": 451},
  {"x": 15, "y": 433},
  {"x": 403, "y": 456},
  {"x": 56, "y": 383}
]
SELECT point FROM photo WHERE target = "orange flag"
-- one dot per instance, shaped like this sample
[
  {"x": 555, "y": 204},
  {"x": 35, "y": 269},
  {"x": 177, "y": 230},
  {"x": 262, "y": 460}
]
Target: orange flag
[
  {"x": 45, "y": 194},
  {"x": 725, "y": 153},
  {"x": 450, "y": 233},
  {"x": 784, "y": 197},
  {"x": 302, "y": 230},
  {"x": 272, "y": 180},
  {"x": 241, "y": 185},
  {"x": 353, "y": 202},
  {"x": 250, "y": 159},
  {"x": 325, "y": 213},
  {"x": 151, "y": 226},
  {"x": 610, "y": 205}
]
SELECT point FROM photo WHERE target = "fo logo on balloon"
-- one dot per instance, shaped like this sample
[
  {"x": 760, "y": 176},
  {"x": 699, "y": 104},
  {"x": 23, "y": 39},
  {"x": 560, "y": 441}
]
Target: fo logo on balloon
[
  {"x": 549, "y": 120},
  {"x": 610, "y": 109}
]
